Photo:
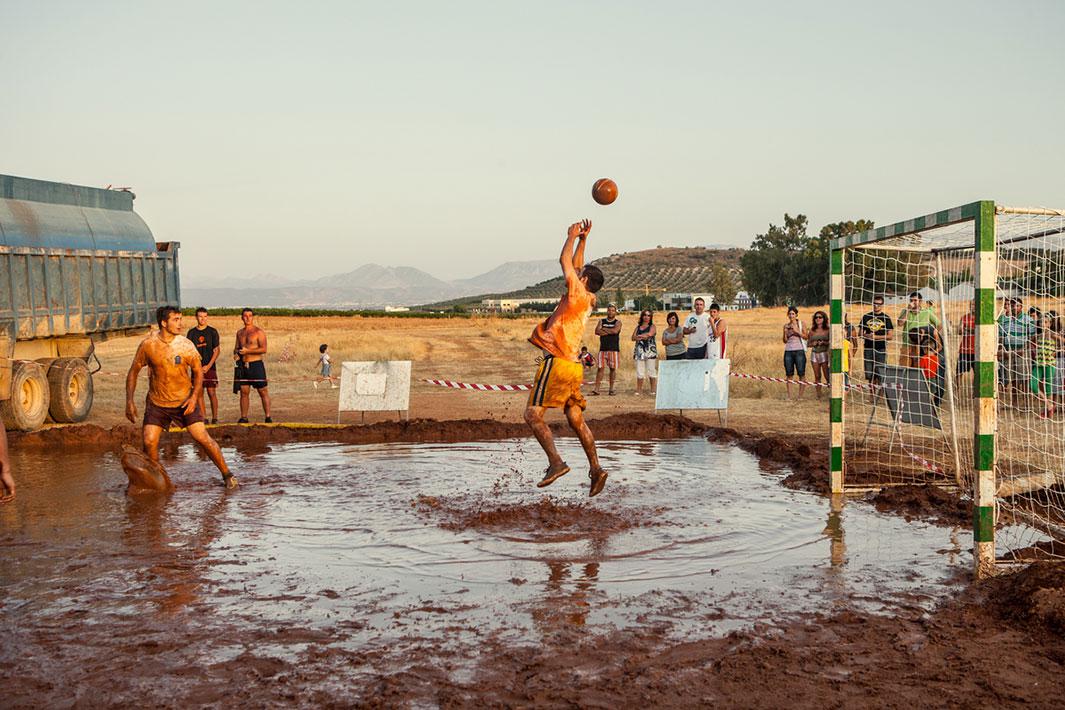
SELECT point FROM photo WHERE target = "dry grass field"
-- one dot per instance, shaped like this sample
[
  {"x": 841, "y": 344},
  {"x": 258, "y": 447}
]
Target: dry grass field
[{"x": 486, "y": 350}]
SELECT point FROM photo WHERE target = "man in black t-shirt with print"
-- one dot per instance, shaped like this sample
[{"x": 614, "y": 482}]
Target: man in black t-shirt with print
[
  {"x": 876, "y": 328},
  {"x": 207, "y": 343},
  {"x": 608, "y": 329}
]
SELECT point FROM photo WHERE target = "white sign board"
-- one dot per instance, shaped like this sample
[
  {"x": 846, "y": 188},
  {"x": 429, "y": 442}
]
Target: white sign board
[
  {"x": 693, "y": 384},
  {"x": 374, "y": 386}
]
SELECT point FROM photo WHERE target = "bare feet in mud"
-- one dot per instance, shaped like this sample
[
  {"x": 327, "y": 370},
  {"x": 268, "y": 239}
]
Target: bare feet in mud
[
  {"x": 598, "y": 478},
  {"x": 552, "y": 474},
  {"x": 229, "y": 481}
]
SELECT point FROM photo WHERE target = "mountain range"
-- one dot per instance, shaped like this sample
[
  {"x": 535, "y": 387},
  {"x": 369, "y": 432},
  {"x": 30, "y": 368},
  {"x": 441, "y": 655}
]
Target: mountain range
[{"x": 368, "y": 286}]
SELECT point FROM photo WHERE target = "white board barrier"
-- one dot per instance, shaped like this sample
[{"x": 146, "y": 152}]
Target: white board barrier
[
  {"x": 374, "y": 386},
  {"x": 693, "y": 384}
]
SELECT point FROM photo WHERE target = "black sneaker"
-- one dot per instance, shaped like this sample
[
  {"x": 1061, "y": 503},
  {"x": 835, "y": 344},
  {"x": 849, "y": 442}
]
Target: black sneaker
[
  {"x": 242, "y": 420},
  {"x": 214, "y": 421},
  {"x": 269, "y": 420}
]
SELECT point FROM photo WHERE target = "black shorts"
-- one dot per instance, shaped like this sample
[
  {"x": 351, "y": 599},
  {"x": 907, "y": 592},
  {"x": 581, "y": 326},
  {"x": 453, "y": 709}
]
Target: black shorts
[
  {"x": 249, "y": 374},
  {"x": 210, "y": 378},
  {"x": 873, "y": 360},
  {"x": 696, "y": 353},
  {"x": 966, "y": 362},
  {"x": 165, "y": 416}
]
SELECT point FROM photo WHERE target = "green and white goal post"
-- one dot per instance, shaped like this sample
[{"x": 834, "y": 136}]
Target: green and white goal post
[{"x": 992, "y": 425}]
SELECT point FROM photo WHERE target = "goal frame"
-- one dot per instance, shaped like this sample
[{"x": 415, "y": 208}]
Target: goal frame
[{"x": 982, "y": 215}]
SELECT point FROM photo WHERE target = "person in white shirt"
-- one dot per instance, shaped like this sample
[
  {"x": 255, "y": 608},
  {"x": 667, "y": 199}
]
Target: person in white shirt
[
  {"x": 697, "y": 328},
  {"x": 325, "y": 367}
]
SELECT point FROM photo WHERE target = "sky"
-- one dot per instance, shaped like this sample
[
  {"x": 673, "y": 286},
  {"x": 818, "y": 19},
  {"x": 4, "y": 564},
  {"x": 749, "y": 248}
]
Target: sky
[{"x": 305, "y": 139}]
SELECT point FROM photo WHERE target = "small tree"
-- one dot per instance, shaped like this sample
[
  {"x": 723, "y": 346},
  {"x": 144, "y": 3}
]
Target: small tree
[
  {"x": 648, "y": 303},
  {"x": 722, "y": 284},
  {"x": 619, "y": 298}
]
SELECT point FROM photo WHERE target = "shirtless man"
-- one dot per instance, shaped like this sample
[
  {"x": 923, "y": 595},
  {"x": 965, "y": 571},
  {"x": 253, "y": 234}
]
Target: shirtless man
[
  {"x": 173, "y": 396},
  {"x": 7, "y": 483},
  {"x": 558, "y": 380},
  {"x": 250, "y": 368}
]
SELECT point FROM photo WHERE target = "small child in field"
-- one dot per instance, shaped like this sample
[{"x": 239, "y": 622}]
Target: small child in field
[
  {"x": 325, "y": 367},
  {"x": 586, "y": 358}
]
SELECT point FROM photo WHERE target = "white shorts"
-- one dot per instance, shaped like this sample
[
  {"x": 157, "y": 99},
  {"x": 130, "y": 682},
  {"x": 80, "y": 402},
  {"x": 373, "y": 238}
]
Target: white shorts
[{"x": 646, "y": 368}]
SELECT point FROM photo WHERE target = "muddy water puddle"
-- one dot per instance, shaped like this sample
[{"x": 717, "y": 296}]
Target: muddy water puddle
[{"x": 346, "y": 555}]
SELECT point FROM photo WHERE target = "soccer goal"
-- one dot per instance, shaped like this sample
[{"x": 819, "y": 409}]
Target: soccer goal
[{"x": 953, "y": 326}]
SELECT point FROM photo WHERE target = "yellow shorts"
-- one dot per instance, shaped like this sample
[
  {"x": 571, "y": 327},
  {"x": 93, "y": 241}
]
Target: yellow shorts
[{"x": 558, "y": 384}]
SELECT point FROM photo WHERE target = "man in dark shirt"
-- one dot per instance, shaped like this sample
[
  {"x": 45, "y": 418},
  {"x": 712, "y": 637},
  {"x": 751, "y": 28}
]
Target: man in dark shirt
[
  {"x": 207, "y": 343},
  {"x": 608, "y": 329},
  {"x": 876, "y": 328}
]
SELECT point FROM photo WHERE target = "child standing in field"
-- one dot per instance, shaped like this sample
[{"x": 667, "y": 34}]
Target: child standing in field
[
  {"x": 1044, "y": 372},
  {"x": 325, "y": 367}
]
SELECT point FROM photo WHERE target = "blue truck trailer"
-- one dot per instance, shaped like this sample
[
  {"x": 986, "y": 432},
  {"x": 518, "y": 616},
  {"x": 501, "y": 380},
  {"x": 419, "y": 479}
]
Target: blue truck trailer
[{"x": 77, "y": 266}]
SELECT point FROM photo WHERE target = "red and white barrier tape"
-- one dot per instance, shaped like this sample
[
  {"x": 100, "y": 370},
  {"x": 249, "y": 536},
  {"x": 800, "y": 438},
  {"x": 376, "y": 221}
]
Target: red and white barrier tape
[{"x": 522, "y": 388}]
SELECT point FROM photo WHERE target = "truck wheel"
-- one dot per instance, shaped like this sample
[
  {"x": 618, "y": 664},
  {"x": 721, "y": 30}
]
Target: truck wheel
[
  {"x": 27, "y": 407},
  {"x": 70, "y": 385}
]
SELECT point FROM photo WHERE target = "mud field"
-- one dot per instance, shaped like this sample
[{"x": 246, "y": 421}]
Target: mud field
[{"x": 416, "y": 564}]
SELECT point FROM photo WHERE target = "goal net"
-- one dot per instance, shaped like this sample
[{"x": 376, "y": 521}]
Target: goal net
[{"x": 952, "y": 327}]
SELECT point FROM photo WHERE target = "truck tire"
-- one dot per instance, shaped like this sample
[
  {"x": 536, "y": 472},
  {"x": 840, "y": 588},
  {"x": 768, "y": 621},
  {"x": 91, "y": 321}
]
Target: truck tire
[
  {"x": 70, "y": 385},
  {"x": 27, "y": 407}
]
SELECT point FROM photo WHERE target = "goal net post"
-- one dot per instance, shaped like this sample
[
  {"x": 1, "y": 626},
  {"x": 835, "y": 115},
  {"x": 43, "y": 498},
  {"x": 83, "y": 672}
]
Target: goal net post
[{"x": 952, "y": 327}]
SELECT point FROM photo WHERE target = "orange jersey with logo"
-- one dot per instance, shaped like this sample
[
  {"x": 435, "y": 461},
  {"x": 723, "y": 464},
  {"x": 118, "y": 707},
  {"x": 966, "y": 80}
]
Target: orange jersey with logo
[{"x": 562, "y": 332}]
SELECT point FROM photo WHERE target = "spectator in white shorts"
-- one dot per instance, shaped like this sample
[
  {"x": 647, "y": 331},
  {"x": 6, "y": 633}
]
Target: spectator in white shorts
[
  {"x": 645, "y": 352},
  {"x": 608, "y": 329}
]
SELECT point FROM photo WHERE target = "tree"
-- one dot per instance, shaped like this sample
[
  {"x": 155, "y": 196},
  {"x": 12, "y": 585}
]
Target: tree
[
  {"x": 619, "y": 298},
  {"x": 785, "y": 265},
  {"x": 648, "y": 303},
  {"x": 722, "y": 284},
  {"x": 769, "y": 264}
]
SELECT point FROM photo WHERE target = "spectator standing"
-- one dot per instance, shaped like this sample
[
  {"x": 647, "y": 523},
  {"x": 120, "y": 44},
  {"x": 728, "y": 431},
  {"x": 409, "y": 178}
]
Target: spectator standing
[
  {"x": 876, "y": 328},
  {"x": 818, "y": 340},
  {"x": 609, "y": 331},
  {"x": 673, "y": 338},
  {"x": 697, "y": 328},
  {"x": 325, "y": 367},
  {"x": 208, "y": 345},
  {"x": 1048, "y": 341},
  {"x": 794, "y": 349},
  {"x": 1015, "y": 332},
  {"x": 645, "y": 352},
  {"x": 967, "y": 341},
  {"x": 718, "y": 333},
  {"x": 250, "y": 370},
  {"x": 917, "y": 322},
  {"x": 929, "y": 364}
]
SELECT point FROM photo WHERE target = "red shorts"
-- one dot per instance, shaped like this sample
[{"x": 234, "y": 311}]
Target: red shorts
[
  {"x": 608, "y": 358},
  {"x": 210, "y": 378},
  {"x": 164, "y": 416}
]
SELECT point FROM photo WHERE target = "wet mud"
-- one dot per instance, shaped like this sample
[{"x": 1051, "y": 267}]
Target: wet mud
[
  {"x": 362, "y": 571},
  {"x": 925, "y": 503}
]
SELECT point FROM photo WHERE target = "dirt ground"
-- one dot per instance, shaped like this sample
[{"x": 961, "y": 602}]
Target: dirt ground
[{"x": 1000, "y": 641}]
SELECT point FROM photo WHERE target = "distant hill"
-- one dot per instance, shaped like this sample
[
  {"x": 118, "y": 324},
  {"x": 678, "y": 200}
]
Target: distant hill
[
  {"x": 659, "y": 270},
  {"x": 368, "y": 286}
]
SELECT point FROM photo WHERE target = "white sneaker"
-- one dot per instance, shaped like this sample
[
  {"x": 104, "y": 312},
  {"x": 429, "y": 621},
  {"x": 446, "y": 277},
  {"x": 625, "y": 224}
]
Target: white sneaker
[
  {"x": 336, "y": 387},
  {"x": 315, "y": 385}
]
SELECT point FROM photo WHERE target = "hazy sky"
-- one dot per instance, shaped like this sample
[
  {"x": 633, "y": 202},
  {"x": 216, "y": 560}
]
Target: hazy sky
[{"x": 310, "y": 138}]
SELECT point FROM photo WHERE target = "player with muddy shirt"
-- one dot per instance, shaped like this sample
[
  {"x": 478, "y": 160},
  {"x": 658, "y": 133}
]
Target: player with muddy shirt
[
  {"x": 250, "y": 370},
  {"x": 175, "y": 378},
  {"x": 560, "y": 375}
]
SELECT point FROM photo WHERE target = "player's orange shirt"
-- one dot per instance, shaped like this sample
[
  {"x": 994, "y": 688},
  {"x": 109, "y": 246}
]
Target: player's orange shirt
[{"x": 562, "y": 332}]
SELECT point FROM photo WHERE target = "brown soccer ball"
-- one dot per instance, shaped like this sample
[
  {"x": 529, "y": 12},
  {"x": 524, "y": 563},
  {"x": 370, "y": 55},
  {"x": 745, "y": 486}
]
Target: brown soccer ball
[{"x": 604, "y": 191}]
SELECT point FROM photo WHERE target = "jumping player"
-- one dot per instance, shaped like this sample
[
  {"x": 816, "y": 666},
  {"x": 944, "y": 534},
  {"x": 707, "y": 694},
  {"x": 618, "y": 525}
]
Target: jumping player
[
  {"x": 558, "y": 380},
  {"x": 173, "y": 396}
]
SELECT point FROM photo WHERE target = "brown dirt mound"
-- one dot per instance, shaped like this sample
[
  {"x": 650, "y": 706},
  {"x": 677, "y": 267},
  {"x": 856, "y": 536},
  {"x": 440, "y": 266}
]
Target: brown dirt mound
[
  {"x": 925, "y": 503},
  {"x": 1035, "y": 594},
  {"x": 634, "y": 426},
  {"x": 807, "y": 461},
  {"x": 1046, "y": 550},
  {"x": 542, "y": 520}
]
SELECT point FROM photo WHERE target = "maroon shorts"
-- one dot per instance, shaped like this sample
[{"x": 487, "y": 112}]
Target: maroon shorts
[
  {"x": 165, "y": 416},
  {"x": 210, "y": 377}
]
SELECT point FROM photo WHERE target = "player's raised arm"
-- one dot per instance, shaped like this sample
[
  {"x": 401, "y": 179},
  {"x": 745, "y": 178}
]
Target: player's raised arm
[
  {"x": 567, "y": 257},
  {"x": 582, "y": 239}
]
